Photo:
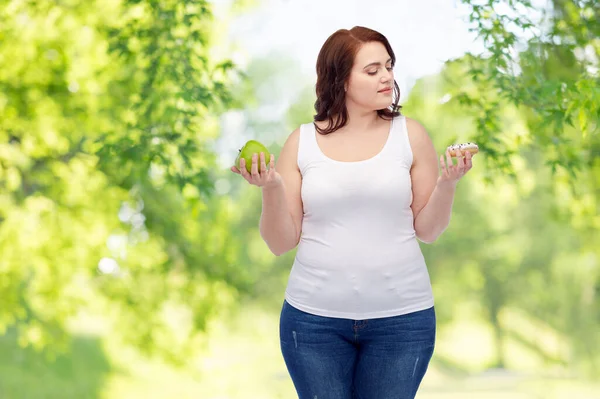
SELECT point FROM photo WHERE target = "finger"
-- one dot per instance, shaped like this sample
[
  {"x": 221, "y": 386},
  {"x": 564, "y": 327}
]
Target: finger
[
  {"x": 254, "y": 168},
  {"x": 272, "y": 162},
  {"x": 449, "y": 160},
  {"x": 443, "y": 166},
  {"x": 263, "y": 165},
  {"x": 235, "y": 170},
  {"x": 460, "y": 163},
  {"x": 243, "y": 170},
  {"x": 468, "y": 161}
]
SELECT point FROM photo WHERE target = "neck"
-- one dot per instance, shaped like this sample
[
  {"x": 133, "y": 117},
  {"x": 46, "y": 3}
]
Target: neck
[{"x": 360, "y": 119}]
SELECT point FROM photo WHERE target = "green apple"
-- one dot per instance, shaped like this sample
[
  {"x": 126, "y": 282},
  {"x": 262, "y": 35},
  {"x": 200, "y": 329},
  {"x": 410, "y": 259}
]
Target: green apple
[{"x": 246, "y": 152}]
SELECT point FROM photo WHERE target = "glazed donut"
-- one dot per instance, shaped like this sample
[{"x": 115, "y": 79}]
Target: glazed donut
[{"x": 460, "y": 149}]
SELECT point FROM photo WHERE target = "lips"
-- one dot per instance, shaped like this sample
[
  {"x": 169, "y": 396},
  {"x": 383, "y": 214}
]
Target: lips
[{"x": 386, "y": 90}]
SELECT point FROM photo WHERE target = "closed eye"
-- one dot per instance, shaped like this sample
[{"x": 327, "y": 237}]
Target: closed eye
[{"x": 375, "y": 72}]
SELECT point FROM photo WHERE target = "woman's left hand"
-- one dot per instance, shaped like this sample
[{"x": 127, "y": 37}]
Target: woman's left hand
[{"x": 453, "y": 173}]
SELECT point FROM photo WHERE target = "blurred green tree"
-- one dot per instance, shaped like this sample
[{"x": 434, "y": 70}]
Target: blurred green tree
[
  {"x": 544, "y": 64},
  {"x": 107, "y": 113},
  {"x": 545, "y": 61}
]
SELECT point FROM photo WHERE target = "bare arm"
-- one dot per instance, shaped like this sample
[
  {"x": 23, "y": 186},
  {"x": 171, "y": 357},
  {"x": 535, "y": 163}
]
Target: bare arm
[
  {"x": 432, "y": 198},
  {"x": 281, "y": 217}
]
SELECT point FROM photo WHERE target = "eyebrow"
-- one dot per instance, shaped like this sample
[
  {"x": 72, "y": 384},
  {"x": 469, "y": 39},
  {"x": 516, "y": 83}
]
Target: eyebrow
[{"x": 376, "y": 63}]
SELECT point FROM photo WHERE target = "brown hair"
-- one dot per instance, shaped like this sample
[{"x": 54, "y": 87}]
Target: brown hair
[{"x": 334, "y": 64}]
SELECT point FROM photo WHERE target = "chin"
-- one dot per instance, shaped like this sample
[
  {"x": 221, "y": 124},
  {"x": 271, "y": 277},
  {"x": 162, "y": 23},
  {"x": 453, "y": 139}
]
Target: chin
[
  {"x": 377, "y": 105},
  {"x": 384, "y": 105}
]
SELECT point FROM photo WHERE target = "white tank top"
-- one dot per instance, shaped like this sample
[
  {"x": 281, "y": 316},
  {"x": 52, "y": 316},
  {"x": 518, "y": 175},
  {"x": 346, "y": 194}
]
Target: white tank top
[{"x": 358, "y": 255}]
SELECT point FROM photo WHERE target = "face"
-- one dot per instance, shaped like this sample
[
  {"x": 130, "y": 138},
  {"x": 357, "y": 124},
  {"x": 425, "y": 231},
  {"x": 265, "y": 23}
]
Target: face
[{"x": 371, "y": 81}]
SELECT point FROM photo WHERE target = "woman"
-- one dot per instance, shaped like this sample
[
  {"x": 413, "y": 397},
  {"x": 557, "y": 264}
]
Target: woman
[{"x": 356, "y": 190}]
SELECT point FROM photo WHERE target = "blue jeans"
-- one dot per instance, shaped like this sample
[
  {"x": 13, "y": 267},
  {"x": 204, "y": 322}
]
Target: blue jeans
[{"x": 335, "y": 358}]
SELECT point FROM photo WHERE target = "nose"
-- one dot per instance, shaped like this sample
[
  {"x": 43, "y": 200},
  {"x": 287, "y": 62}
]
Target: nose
[{"x": 387, "y": 76}]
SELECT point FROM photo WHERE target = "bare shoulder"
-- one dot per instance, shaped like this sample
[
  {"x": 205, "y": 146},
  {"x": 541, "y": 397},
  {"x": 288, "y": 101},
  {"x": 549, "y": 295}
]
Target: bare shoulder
[
  {"x": 420, "y": 141},
  {"x": 289, "y": 152},
  {"x": 416, "y": 131}
]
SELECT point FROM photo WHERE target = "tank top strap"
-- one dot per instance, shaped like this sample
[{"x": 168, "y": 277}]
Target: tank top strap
[
  {"x": 308, "y": 149},
  {"x": 399, "y": 145}
]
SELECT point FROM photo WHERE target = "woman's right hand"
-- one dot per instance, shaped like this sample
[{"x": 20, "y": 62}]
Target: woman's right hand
[{"x": 263, "y": 178}]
